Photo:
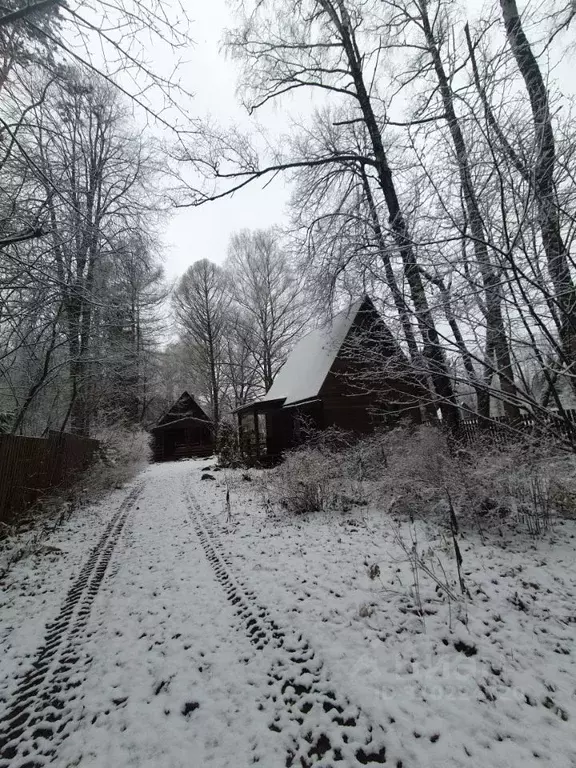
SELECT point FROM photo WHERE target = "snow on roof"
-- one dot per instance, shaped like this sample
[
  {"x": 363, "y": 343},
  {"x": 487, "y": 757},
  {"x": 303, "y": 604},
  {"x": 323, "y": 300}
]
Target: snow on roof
[
  {"x": 180, "y": 422},
  {"x": 186, "y": 405},
  {"x": 302, "y": 375}
]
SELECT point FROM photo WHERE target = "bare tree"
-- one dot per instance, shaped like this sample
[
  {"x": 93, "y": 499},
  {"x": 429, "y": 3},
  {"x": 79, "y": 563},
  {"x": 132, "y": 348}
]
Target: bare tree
[
  {"x": 92, "y": 170},
  {"x": 128, "y": 323},
  {"x": 202, "y": 303},
  {"x": 107, "y": 39},
  {"x": 544, "y": 178},
  {"x": 71, "y": 193},
  {"x": 322, "y": 48},
  {"x": 269, "y": 293},
  {"x": 241, "y": 366},
  {"x": 432, "y": 34},
  {"x": 90, "y": 174}
]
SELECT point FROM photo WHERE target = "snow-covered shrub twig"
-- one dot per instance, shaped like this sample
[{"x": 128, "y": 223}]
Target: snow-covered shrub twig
[
  {"x": 532, "y": 495},
  {"x": 123, "y": 452},
  {"x": 418, "y": 562},
  {"x": 427, "y": 477},
  {"x": 228, "y": 505},
  {"x": 457, "y": 552},
  {"x": 316, "y": 477}
]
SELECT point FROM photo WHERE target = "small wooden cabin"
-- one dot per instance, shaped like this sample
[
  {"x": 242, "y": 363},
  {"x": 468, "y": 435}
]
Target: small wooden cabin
[
  {"x": 349, "y": 374},
  {"x": 185, "y": 431}
]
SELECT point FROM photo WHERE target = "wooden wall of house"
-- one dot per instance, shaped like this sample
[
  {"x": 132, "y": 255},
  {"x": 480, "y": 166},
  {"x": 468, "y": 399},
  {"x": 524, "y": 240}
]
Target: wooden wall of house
[
  {"x": 183, "y": 442},
  {"x": 356, "y": 398},
  {"x": 286, "y": 427},
  {"x": 276, "y": 424},
  {"x": 279, "y": 431},
  {"x": 362, "y": 415},
  {"x": 348, "y": 413},
  {"x": 157, "y": 446}
]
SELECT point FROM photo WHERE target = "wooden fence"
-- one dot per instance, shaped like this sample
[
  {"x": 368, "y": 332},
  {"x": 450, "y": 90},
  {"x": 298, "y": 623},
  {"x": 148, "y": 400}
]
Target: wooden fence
[
  {"x": 33, "y": 466},
  {"x": 502, "y": 430}
]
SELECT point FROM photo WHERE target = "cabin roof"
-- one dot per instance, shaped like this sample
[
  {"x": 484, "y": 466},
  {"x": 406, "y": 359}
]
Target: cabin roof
[
  {"x": 303, "y": 374},
  {"x": 185, "y": 421},
  {"x": 185, "y": 407}
]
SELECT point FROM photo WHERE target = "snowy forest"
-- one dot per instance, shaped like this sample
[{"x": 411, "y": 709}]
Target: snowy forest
[
  {"x": 434, "y": 171},
  {"x": 287, "y": 383}
]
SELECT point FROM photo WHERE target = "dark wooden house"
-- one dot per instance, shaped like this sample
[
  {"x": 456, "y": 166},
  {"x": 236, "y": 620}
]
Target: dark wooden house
[
  {"x": 348, "y": 374},
  {"x": 185, "y": 431}
]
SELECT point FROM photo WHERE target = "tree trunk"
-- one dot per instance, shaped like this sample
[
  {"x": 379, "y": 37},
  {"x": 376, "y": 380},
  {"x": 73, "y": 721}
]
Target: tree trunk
[
  {"x": 556, "y": 253},
  {"x": 214, "y": 389},
  {"x": 482, "y": 394},
  {"x": 490, "y": 277},
  {"x": 432, "y": 351},
  {"x": 399, "y": 301},
  {"x": 36, "y": 387}
]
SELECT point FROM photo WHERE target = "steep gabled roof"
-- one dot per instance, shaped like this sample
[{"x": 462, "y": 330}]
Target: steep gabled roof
[
  {"x": 303, "y": 374},
  {"x": 184, "y": 407}
]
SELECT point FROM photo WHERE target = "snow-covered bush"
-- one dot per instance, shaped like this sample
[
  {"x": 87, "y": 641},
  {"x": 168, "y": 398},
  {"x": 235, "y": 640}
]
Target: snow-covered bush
[
  {"x": 228, "y": 448},
  {"x": 422, "y": 473},
  {"x": 413, "y": 470},
  {"x": 302, "y": 483},
  {"x": 123, "y": 452},
  {"x": 5, "y": 422},
  {"x": 336, "y": 470},
  {"x": 409, "y": 464},
  {"x": 314, "y": 477},
  {"x": 563, "y": 496},
  {"x": 517, "y": 481}
]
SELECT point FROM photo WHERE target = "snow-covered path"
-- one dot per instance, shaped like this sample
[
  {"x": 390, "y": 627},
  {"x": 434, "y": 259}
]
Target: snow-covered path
[
  {"x": 155, "y": 629},
  {"x": 159, "y": 655}
]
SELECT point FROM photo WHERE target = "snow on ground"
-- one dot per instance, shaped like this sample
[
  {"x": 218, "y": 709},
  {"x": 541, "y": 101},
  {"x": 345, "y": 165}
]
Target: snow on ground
[
  {"x": 182, "y": 633},
  {"x": 33, "y": 589},
  {"x": 166, "y": 682},
  {"x": 486, "y": 681}
]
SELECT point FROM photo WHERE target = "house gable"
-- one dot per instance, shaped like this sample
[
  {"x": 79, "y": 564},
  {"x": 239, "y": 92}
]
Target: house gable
[
  {"x": 313, "y": 366},
  {"x": 370, "y": 377},
  {"x": 184, "y": 407},
  {"x": 184, "y": 431},
  {"x": 303, "y": 374},
  {"x": 368, "y": 347},
  {"x": 349, "y": 374}
]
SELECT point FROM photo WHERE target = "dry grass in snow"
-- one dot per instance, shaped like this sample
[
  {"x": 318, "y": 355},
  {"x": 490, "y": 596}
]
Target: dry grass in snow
[{"x": 468, "y": 669}]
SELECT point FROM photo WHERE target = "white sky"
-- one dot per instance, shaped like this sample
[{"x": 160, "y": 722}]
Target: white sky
[
  {"x": 204, "y": 232},
  {"x": 194, "y": 233}
]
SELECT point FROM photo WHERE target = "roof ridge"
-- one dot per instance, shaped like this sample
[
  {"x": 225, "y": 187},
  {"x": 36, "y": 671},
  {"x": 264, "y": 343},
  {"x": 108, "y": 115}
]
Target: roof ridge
[
  {"x": 184, "y": 394},
  {"x": 310, "y": 361}
]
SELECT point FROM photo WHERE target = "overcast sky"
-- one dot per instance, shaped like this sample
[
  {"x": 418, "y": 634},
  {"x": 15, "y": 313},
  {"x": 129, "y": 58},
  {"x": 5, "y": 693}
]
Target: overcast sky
[{"x": 195, "y": 233}]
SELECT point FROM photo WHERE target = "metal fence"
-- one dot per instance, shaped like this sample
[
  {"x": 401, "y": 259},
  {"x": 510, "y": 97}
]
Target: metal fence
[
  {"x": 31, "y": 467},
  {"x": 502, "y": 430}
]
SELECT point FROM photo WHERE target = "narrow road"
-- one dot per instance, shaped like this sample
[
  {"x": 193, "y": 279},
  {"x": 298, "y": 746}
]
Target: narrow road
[{"x": 159, "y": 655}]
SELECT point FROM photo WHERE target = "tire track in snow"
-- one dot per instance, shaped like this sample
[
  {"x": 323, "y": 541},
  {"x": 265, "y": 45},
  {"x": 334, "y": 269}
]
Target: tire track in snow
[
  {"x": 38, "y": 710},
  {"x": 321, "y": 727}
]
